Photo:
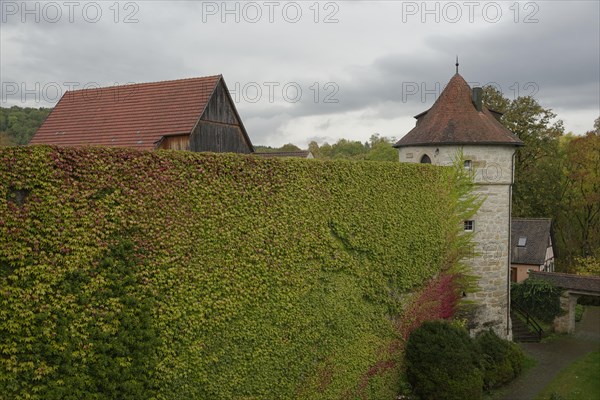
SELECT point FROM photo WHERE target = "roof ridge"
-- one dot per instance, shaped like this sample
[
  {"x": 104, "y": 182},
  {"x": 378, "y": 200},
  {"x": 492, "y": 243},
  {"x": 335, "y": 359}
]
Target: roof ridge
[{"x": 130, "y": 84}]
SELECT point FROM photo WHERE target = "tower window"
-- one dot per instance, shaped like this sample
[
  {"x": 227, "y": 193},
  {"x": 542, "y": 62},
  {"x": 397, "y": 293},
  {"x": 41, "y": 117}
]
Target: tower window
[
  {"x": 468, "y": 164},
  {"x": 425, "y": 159},
  {"x": 469, "y": 225},
  {"x": 522, "y": 242}
]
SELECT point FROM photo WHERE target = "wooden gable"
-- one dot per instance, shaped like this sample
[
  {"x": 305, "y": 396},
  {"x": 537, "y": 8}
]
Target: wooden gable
[{"x": 220, "y": 128}]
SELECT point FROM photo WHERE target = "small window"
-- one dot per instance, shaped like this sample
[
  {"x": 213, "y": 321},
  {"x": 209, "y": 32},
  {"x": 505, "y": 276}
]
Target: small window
[
  {"x": 468, "y": 164},
  {"x": 469, "y": 225},
  {"x": 425, "y": 159},
  {"x": 522, "y": 242}
]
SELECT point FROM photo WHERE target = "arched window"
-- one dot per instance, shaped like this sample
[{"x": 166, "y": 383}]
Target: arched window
[{"x": 425, "y": 159}]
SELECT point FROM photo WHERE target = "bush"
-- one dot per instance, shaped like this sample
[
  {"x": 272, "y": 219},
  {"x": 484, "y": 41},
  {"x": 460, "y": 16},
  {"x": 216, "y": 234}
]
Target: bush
[
  {"x": 442, "y": 363},
  {"x": 539, "y": 298},
  {"x": 501, "y": 360}
]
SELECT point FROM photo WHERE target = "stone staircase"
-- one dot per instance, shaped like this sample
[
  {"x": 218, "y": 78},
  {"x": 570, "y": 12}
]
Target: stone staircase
[{"x": 521, "y": 331}]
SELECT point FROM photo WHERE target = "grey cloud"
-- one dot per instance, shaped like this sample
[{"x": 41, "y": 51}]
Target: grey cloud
[{"x": 560, "y": 55}]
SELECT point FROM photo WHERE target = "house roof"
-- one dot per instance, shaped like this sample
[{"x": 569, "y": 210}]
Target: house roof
[
  {"x": 536, "y": 232},
  {"x": 454, "y": 119},
  {"x": 273, "y": 154},
  {"x": 136, "y": 115}
]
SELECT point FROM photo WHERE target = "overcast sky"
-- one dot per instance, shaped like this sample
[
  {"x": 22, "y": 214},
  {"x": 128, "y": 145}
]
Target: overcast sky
[{"x": 308, "y": 70}]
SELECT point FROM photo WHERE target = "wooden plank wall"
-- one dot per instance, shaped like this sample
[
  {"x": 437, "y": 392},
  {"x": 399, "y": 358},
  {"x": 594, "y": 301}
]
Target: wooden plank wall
[
  {"x": 218, "y": 138},
  {"x": 219, "y": 129},
  {"x": 180, "y": 142}
]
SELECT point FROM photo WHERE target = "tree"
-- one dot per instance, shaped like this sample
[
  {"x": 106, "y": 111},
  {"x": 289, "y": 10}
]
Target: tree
[
  {"x": 348, "y": 149},
  {"x": 583, "y": 195},
  {"x": 18, "y": 125},
  {"x": 289, "y": 147},
  {"x": 378, "y": 148},
  {"x": 556, "y": 175},
  {"x": 285, "y": 148},
  {"x": 538, "y": 165},
  {"x": 313, "y": 147},
  {"x": 587, "y": 266}
]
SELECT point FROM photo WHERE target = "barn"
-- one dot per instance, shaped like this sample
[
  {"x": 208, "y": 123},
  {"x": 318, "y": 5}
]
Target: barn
[{"x": 196, "y": 114}]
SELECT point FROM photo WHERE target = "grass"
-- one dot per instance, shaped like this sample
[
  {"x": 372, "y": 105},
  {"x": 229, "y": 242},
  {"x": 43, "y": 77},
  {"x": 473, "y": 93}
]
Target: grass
[
  {"x": 579, "y": 312},
  {"x": 495, "y": 394},
  {"x": 580, "y": 380}
]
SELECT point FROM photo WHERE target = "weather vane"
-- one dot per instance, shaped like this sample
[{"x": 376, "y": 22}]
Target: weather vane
[{"x": 456, "y": 64}]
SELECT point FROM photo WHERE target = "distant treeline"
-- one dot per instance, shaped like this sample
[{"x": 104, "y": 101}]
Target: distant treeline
[
  {"x": 377, "y": 148},
  {"x": 18, "y": 125}
]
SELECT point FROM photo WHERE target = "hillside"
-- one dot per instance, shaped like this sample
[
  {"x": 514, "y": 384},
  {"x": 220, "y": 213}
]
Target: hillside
[{"x": 18, "y": 125}]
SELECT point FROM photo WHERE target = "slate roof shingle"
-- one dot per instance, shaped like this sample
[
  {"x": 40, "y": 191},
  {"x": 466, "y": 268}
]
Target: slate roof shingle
[{"x": 537, "y": 234}]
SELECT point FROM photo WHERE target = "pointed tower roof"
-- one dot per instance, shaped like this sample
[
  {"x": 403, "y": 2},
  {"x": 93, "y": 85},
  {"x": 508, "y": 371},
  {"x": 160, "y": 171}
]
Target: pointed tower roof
[{"x": 454, "y": 119}]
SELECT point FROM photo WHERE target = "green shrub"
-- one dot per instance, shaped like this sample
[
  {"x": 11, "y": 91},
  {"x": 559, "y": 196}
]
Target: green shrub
[
  {"x": 442, "y": 363},
  {"x": 539, "y": 298},
  {"x": 501, "y": 360}
]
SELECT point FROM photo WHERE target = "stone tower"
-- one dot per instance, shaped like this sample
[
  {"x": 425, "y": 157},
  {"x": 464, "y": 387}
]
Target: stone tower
[{"x": 459, "y": 123}]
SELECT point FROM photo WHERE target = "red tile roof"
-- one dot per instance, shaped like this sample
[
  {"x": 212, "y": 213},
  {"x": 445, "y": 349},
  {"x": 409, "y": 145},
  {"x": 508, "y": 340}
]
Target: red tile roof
[
  {"x": 136, "y": 115},
  {"x": 454, "y": 119}
]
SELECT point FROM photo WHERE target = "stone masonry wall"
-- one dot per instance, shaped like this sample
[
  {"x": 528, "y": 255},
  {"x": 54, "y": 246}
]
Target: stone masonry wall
[{"x": 492, "y": 166}]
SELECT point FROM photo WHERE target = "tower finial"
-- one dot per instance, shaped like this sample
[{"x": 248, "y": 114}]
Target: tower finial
[{"x": 456, "y": 64}]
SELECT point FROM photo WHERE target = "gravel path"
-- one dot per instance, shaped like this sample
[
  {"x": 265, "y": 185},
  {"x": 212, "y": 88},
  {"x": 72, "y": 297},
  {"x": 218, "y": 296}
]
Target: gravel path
[{"x": 553, "y": 356}]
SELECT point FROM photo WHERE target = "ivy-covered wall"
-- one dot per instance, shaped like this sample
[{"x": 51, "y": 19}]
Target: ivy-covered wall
[{"x": 174, "y": 275}]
